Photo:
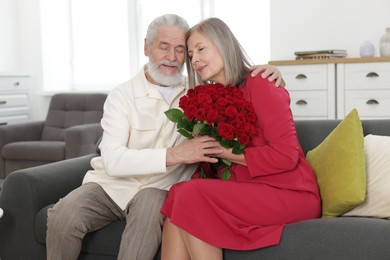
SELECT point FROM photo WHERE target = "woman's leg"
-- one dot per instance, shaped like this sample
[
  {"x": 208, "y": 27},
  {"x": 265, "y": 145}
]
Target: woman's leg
[
  {"x": 172, "y": 243},
  {"x": 200, "y": 250}
]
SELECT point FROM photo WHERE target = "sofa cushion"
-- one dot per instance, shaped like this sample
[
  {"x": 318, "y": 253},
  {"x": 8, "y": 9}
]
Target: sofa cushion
[
  {"x": 377, "y": 203},
  {"x": 339, "y": 165}
]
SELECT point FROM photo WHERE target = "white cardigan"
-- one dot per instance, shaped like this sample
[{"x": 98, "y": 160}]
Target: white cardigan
[{"x": 135, "y": 139}]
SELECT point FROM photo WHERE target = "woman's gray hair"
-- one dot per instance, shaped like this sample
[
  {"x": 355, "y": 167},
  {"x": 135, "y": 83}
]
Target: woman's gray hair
[
  {"x": 167, "y": 19},
  {"x": 236, "y": 61}
]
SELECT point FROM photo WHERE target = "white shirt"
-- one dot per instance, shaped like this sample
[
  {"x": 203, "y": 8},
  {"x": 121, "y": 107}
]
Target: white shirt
[
  {"x": 136, "y": 136},
  {"x": 166, "y": 92}
]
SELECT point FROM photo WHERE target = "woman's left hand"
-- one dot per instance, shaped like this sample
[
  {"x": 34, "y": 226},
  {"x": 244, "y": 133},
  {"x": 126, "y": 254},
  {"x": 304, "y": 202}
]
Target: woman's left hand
[{"x": 228, "y": 154}]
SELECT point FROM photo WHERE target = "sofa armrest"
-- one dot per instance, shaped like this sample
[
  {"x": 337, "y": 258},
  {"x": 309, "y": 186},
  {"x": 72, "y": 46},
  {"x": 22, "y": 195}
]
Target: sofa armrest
[
  {"x": 24, "y": 193},
  {"x": 81, "y": 139},
  {"x": 29, "y": 131}
]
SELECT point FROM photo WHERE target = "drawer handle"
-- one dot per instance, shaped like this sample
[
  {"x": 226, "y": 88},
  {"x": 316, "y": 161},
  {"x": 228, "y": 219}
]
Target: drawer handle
[
  {"x": 372, "y": 102},
  {"x": 3, "y": 102},
  {"x": 301, "y": 102},
  {"x": 17, "y": 83},
  {"x": 372, "y": 75},
  {"x": 301, "y": 76}
]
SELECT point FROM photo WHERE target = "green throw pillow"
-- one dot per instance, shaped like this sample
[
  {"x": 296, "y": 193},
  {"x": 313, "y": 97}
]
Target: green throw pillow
[{"x": 339, "y": 164}]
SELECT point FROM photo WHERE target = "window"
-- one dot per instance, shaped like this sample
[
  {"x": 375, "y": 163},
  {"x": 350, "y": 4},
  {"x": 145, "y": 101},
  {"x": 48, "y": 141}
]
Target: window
[
  {"x": 97, "y": 44},
  {"x": 100, "y": 42},
  {"x": 250, "y": 23}
]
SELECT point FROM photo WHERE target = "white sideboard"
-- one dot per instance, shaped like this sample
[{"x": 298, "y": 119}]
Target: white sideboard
[
  {"x": 331, "y": 88},
  {"x": 312, "y": 91},
  {"x": 14, "y": 98}
]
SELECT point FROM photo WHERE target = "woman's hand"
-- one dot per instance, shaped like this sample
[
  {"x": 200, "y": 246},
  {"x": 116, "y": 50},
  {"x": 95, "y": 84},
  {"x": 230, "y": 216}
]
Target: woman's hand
[
  {"x": 227, "y": 154},
  {"x": 268, "y": 71},
  {"x": 198, "y": 149}
]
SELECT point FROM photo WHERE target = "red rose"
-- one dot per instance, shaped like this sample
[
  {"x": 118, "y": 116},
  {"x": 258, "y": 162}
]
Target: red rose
[
  {"x": 211, "y": 116},
  {"x": 226, "y": 131},
  {"x": 221, "y": 103},
  {"x": 231, "y": 112},
  {"x": 190, "y": 111},
  {"x": 243, "y": 138},
  {"x": 249, "y": 128},
  {"x": 191, "y": 92},
  {"x": 204, "y": 99},
  {"x": 239, "y": 125},
  {"x": 240, "y": 117},
  {"x": 251, "y": 117},
  {"x": 184, "y": 101},
  {"x": 200, "y": 114},
  {"x": 204, "y": 170}
]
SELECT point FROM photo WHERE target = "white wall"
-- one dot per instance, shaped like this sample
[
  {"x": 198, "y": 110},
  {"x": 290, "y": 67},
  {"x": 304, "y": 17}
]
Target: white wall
[
  {"x": 20, "y": 46},
  {"x": 9, "y": 31},
  {"x": 326, "y": 24},
  {"x": 295, "y": 25}
]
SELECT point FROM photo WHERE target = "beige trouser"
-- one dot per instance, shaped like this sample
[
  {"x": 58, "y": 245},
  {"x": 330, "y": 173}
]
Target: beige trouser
[{"x": 89, "y": 208}]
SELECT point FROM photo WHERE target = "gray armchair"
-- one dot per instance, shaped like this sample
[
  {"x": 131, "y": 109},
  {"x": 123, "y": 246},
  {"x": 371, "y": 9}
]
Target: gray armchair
[{"x": 71, "y": 129}]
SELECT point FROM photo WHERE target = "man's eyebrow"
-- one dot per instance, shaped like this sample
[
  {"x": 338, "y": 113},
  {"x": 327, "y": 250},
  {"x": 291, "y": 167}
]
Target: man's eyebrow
[{"x": 167, "y": 43}]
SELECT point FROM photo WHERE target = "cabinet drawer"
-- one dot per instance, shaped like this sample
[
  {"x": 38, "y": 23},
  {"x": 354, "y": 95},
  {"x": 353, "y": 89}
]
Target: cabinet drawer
[
  {"x": 305, "y": 77},
  {"x": 369, "y": 103},
  {"x": 13, "y": 100},
  {"x": 367, "y": 75},
  {"x": 6, "y": 120},
  {"x": 14, "y": 83},
  {"x": 309, "y": 103}
]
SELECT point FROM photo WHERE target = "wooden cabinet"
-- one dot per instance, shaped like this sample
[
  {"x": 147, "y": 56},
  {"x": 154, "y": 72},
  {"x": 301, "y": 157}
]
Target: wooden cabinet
[
  {"x": 364, "y": 86},
  {"x": 331, "y": 88},
  {"x": 14, "y": 98},
  {"x": 311, "y": 89}
]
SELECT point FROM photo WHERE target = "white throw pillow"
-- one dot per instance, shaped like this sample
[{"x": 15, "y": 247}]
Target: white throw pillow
[{"x": 377, "y": 202}]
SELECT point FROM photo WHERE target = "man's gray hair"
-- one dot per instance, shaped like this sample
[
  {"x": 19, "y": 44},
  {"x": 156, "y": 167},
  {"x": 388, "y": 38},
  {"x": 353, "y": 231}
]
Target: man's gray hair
[{"x": 167, "y": 19}]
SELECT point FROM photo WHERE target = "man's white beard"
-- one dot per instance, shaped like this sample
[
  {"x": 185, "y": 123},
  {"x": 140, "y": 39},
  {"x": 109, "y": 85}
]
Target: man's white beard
[{"x": 165, "y": 80}]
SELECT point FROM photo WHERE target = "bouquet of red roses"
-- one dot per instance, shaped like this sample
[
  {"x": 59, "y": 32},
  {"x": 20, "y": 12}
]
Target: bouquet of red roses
[{"x": 218, "y": 111}]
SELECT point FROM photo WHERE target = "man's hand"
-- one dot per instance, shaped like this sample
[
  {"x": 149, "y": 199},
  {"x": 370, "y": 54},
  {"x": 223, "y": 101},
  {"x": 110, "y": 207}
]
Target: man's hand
[
  {"x": 198, "y": 149},
  {"x": 269, "y": 71}
]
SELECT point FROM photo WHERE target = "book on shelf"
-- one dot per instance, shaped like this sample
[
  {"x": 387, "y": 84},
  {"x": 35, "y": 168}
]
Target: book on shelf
[
  {"x": 320, "y": 56},
  {"x": 330, "y": 51}
]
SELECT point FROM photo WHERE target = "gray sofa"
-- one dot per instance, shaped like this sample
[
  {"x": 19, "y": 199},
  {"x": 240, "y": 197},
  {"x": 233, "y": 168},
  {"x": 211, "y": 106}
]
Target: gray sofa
[{"x": 28, "y": 193}]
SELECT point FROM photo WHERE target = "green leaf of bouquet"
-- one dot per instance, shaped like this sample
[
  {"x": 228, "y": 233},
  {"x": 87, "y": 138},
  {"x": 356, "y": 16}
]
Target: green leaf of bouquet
[
  {"x": 225, "y": 175},
  {"x": 185, "y": 123},
  {"x": 185, "y": 133},
  {"x": 238, "y": 148},
  {"x": 174, "y": 114},
  {"x": 198, "y": 128},
  {"x": 224, "y": 143},
  {"x": 214, "y": 131},
  {"x": 206, "y": 130},
  {"x": 203, "y": 175},
  {"x": 227, "y": 162}
]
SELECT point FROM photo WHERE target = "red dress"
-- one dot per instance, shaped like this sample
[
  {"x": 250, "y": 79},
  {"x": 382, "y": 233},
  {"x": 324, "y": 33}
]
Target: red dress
[{"x": 276, "y": 187}]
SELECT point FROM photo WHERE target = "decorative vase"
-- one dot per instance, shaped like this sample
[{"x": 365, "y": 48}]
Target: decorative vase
[
  {"x": 367, "y": 49},
  {"x": 385, "y": 44}
]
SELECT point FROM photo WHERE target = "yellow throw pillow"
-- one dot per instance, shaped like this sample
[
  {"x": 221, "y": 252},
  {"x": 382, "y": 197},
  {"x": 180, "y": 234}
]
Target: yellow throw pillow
[{"x": 339, "y": 164}]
